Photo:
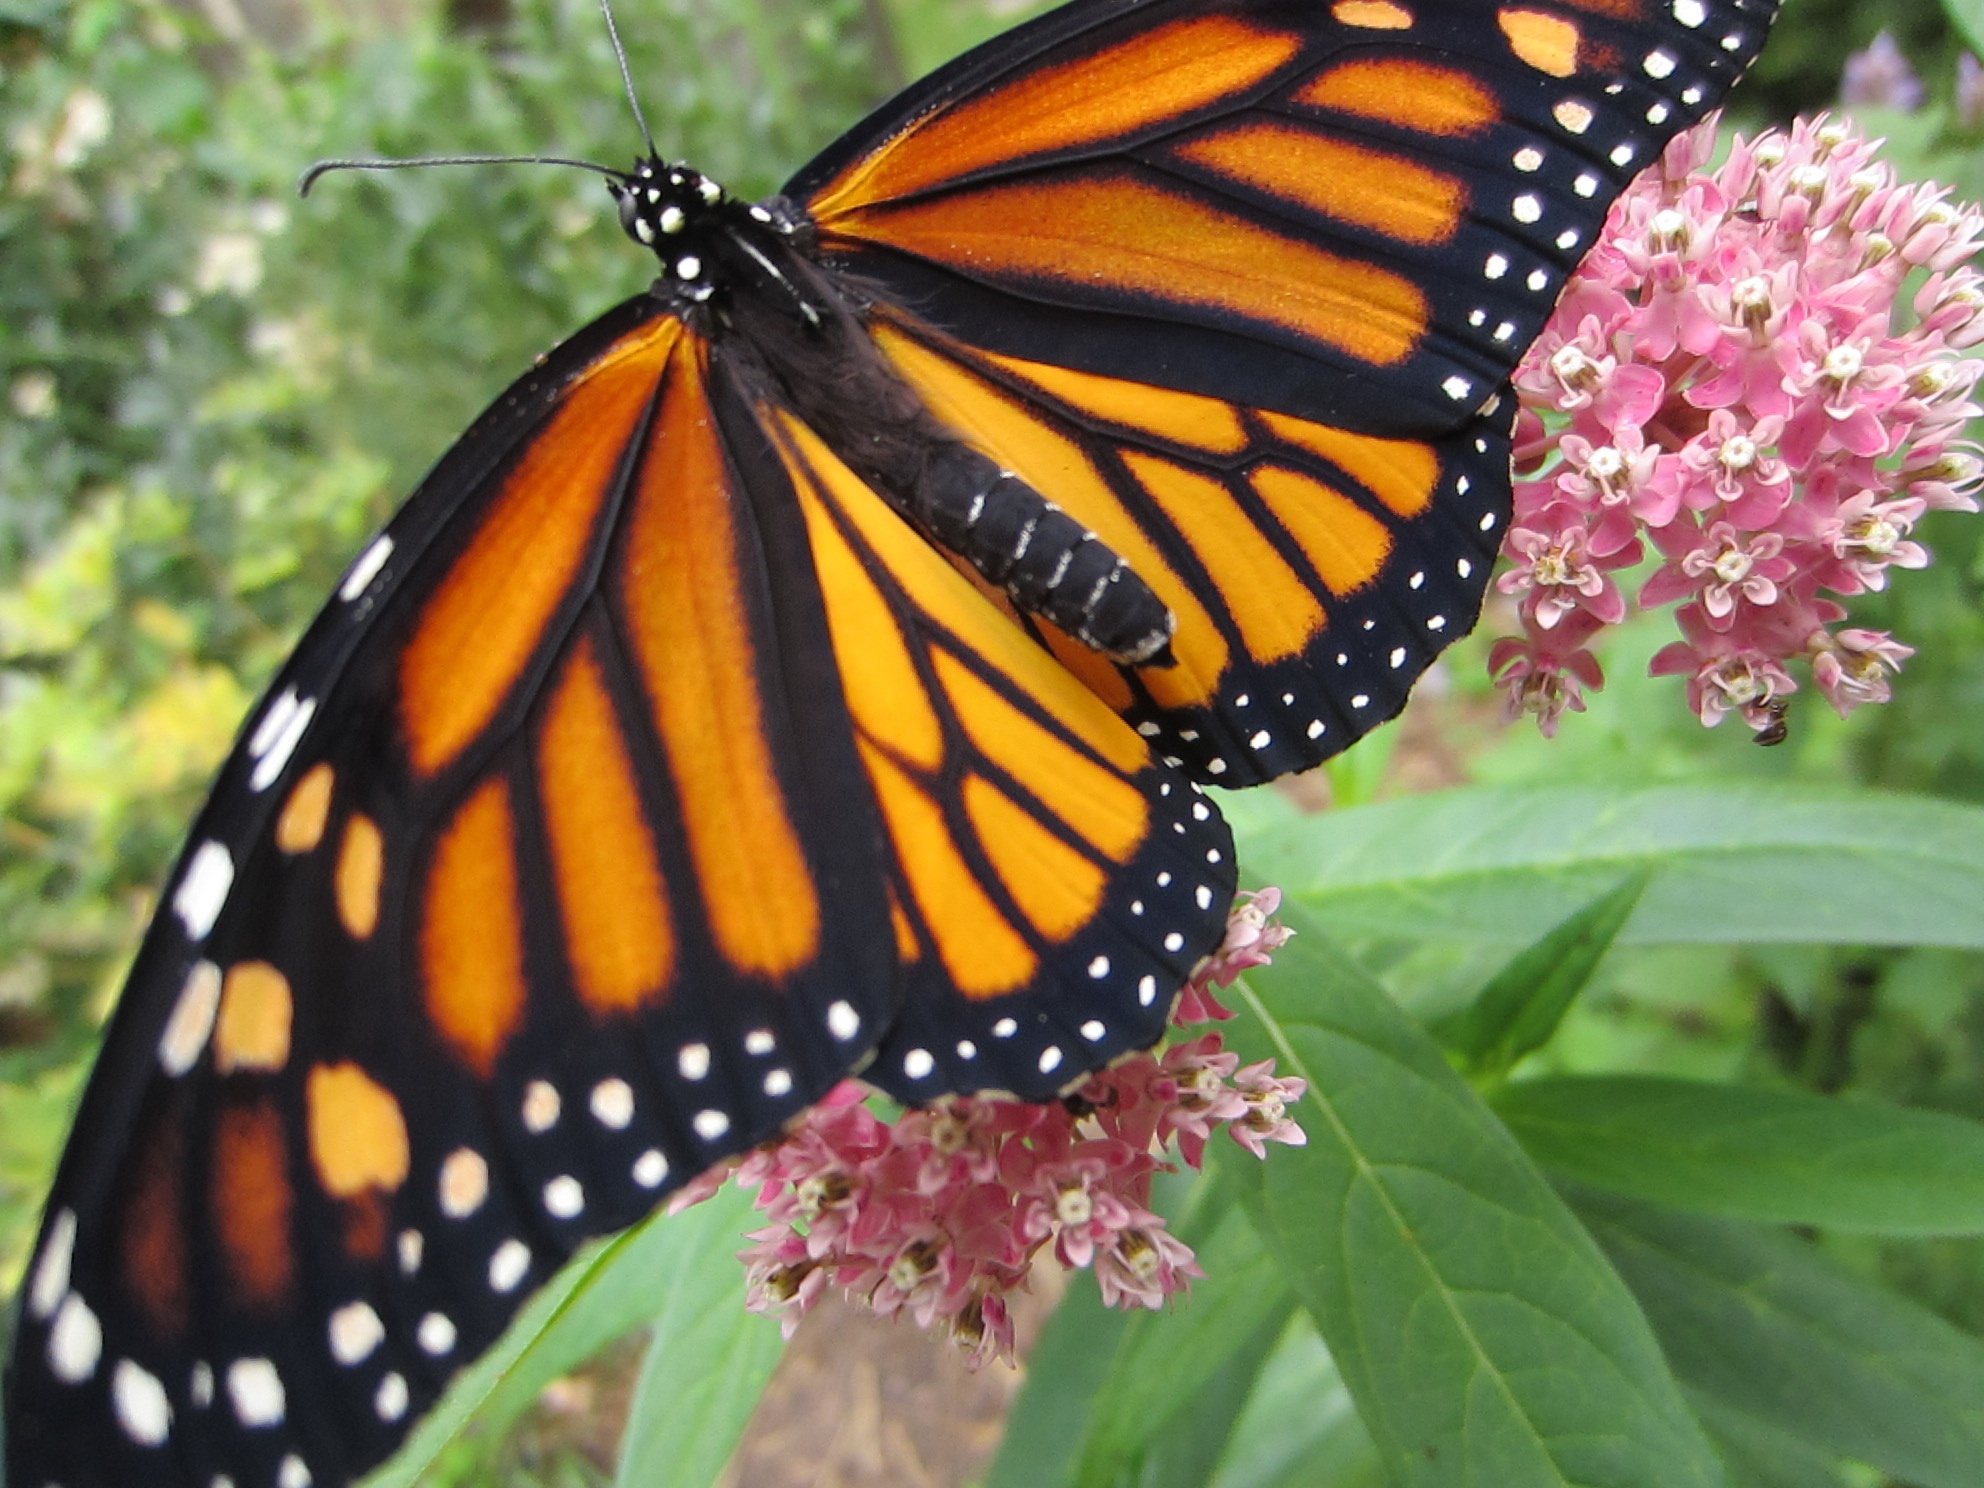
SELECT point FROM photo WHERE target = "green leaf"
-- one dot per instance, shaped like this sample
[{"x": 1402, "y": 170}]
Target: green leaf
[
  {"x": 1179, "y": 1378},
  {"x": 1481, "y": 1332},
  {"x": 1523, "y": 1003},
  {"x": 1774, "y": 1155},
  {"x": 1300, "y": 1427},
  {"x": 1047, "y": 1426},
  {"x": 709, "y": 1359},
  {"x": 1772, "y": 1328},
  {"x": 1744, "y": 863},
  {"x": 1758, "y": 1454},
  {"x": 604, "y": 1293}
]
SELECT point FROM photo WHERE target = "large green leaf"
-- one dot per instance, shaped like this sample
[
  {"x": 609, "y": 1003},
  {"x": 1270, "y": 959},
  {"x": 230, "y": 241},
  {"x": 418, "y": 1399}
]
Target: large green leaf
[
  {"x": 1770, "y": 1327},
  {"x": 1772, "y": 1155},
  {"x": 1761, "y": 1456},
  {"x": 708, "y": 1361},
  {"x": 1744, "y": 863},
  {"x": 1481, "y": 1332}
]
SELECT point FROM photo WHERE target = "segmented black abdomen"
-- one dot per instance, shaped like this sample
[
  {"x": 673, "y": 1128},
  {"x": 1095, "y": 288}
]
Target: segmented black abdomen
[{"x": 1048, "y": 562}]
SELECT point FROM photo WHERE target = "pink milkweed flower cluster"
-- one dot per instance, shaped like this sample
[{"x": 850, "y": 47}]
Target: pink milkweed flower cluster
[
  {"x": 940, "y": 1213},
  {"x": 1756, "y": 375}
]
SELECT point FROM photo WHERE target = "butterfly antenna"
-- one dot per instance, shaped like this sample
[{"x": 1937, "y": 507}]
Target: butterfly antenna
[
  {"x": 627, "y": 77},
  {"x": 325, "y": 167}
]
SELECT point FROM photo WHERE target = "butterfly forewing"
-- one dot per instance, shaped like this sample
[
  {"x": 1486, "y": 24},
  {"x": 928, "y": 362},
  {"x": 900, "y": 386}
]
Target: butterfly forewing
[
  {"x": 1242, "y": 285},
  {"x": 495, "y": 955},
  {"x": 1358, "y": 212}
]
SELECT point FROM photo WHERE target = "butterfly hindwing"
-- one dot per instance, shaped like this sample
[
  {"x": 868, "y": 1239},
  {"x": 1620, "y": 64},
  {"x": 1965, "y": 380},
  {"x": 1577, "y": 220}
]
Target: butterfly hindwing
[
  {"x": 1054, "y": 881},
  {"x": 1313, "y": 572}
]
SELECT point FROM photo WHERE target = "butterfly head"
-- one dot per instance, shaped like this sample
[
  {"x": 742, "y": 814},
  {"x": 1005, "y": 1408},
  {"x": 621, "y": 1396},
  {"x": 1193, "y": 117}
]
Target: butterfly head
[{"x": 673, "y": 209}]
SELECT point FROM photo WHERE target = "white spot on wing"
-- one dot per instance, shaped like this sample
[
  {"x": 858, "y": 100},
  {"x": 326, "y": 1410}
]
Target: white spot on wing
[
  {"x": 192, "y": 1020},
  {"x": 366, "y": 569},
  {"x": 508, "y": 1266},
  {"x": 694, "y": 1061},
  {"x": 710, "y": 1125},
  {"x": 650, "y": 1168},
  {"x": 355, "y": 1332},
  {"x": 918, "y": 1064},
  {"x": 390, "y": 1400},
  {"x": 256, "y": 1390},
  {"x": 436, "y": 1333},
  {"x": 613, "y": 1103},
  {"x": 204, "y": 889},
  {"x": 464, "y": 1182},
  {"x": 564, "y": 1197},
  {"x": 51, "y": 1272},
  {"x": 541, "y": 1106},
  {"x": 75, "y": 1341},
  {"x": 269, "y": 767},
  {"x": 142, "y": 1409},
  {"x": 842, "y": 1021}
]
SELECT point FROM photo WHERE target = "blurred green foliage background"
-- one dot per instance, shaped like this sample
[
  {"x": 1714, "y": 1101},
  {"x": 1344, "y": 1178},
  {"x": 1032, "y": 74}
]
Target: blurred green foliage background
[{"x": 212, "y": 391}]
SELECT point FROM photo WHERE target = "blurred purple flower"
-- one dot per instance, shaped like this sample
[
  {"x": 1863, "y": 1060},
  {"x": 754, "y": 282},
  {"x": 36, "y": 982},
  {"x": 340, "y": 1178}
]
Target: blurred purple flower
[
  {"x": 1880, "y": 77},
  {"x": 1968, "y": 105}
]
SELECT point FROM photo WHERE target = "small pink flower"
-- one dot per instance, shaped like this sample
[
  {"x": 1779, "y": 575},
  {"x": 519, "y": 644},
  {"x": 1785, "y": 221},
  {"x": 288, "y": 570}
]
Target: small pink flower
[
  {"x": 1719, "y": 568},
  {"x": 1867, "y": 536},
  {"x": 1854, "y": 667},
  {"x": 1545, "y": 673},
  {"x": 1558, "y": 568}
]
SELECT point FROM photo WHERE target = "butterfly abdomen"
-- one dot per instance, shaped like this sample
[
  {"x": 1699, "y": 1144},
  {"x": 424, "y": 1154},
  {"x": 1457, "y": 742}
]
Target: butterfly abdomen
[{"x": 817, "y": 353}]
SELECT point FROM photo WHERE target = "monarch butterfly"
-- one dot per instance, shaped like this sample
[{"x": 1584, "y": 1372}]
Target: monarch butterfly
[{"x": 813, "y": 666}]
